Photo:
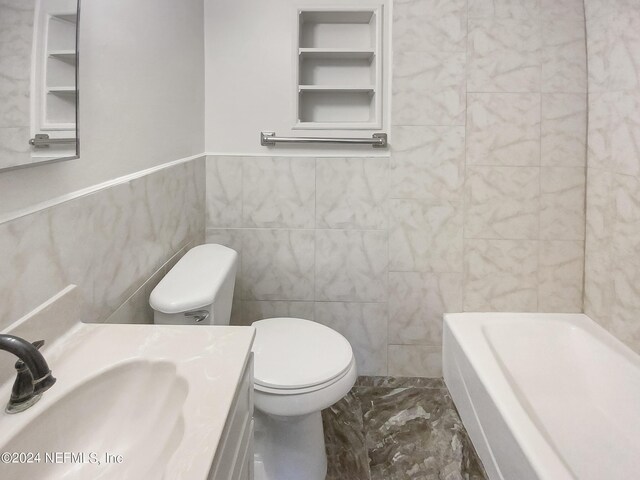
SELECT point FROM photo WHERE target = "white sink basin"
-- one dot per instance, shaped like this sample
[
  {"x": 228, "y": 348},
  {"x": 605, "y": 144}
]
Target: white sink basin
[
  {"x": 126, "y": 406},
  {"x": 157, "y": 396}
]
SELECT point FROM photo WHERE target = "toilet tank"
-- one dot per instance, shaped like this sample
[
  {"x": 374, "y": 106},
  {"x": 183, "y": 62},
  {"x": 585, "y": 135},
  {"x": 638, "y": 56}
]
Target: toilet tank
[{"x": 198, "y": 290}]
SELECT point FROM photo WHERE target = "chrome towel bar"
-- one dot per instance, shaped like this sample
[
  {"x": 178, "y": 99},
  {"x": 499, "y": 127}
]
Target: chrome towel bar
[
  {"x": 377, "y": 140},
  {"x": 42, "y": 140}
]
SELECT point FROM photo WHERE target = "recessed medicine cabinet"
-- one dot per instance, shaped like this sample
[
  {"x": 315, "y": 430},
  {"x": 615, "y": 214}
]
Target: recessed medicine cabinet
[
  {"x": 55, "y": 89},
  {"x": 339, "y": 69},
  {"x": 38, "y": 109}
]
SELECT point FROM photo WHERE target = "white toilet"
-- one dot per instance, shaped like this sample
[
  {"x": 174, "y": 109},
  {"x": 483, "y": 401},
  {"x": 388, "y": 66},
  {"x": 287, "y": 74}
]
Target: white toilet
[{"x": 300, "y": 367}]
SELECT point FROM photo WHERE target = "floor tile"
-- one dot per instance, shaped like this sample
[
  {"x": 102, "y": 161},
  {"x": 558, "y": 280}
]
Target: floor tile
[{"x": 390, "y": 428}]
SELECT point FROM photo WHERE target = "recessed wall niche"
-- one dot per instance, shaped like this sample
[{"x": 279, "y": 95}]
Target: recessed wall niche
[{"x": 339, "y": 67}]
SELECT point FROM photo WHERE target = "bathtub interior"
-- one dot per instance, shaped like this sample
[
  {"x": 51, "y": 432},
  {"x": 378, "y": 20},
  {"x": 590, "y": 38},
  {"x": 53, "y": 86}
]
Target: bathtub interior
[
  {"x": 558, "y": 371},
  {"x": 558, "y": 380}
]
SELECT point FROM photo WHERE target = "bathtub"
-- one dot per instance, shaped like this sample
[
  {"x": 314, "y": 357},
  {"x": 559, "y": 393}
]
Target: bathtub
[{"x": 545, "y": 396}]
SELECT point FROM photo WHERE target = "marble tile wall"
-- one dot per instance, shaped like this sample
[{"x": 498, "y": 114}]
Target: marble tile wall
[
  {"x": 480, "y": 206},
  {"x": 526, "y": 152},
  {"x": 487, "y": 202},
  {"x": 109, "y": 242},
  {"x": 313, "y": 239},
  {"x": 16, "y": 34},
  {"x": 612, "y": 265}
]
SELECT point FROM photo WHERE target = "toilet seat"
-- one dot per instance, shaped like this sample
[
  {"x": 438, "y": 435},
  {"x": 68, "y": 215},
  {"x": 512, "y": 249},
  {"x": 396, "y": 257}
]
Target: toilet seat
[
  {"x": 294, "y": 356},
  {"x": 299, "y": 391},
  {"x": 285, "y": 403}
]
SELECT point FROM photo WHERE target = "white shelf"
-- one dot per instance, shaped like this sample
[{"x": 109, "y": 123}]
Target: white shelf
[
  {"x": 336, "y": 88},
  {"x": 62, "y": 127},
  {"x": 337, "y": 28},
  {"x": 67, "y": 17},
  {"x": 62, "y": 90},
  {"x": 63, "y": 54},
  {"x": 335, "y": 125},
  {"x": 338, "y": 53}
]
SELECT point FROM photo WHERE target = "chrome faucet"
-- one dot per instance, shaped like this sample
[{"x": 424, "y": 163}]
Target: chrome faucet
[{"x": 34, "y": 376}]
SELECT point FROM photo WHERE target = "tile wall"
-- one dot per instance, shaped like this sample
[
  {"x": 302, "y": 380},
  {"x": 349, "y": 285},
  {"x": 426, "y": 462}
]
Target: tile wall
[
  {"x": 16, "y": 31},
  {"x": 109, "y": 243},
  {"x": 480, "y": 207},
  {"x": 612, "y": 267}
]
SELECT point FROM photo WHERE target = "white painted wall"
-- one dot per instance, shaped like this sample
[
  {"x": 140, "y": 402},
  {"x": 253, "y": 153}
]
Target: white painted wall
[
  {"x": 141, "y": 97},
  {"x": 250, "y": 80}
]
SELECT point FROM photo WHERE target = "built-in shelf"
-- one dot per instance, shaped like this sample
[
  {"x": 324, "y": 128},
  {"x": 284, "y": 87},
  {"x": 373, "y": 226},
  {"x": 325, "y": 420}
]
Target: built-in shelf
[
  {"x": 67, "y": 17},
  {"x": 339, "y": 69},
  {"x": 58, "y": 73},
  {"x": 62, "y": 90},
  {"x": 63, "y": 54},
  {"x": 337, "y": 28},
  {"x": 335, "y": 88},
  {"x": 338, "y": 53}
]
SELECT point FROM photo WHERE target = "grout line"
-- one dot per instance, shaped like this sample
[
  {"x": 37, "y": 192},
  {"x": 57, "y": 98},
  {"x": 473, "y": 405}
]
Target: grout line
[
  {"x": 315, "y": 234},
  {"x": 465, "y": 169},
  {"x": 586, "y": 164}
]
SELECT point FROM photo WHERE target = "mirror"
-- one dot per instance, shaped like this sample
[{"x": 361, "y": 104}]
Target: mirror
[{"x": 38, "y": 81}]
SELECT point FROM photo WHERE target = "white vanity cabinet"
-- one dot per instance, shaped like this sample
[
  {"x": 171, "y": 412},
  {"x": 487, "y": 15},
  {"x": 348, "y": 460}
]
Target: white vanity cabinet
[{"x": 234, "y": 457}]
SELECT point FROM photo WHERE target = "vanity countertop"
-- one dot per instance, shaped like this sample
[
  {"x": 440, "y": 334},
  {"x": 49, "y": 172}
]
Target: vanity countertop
[{"x": 198, "y": 368}]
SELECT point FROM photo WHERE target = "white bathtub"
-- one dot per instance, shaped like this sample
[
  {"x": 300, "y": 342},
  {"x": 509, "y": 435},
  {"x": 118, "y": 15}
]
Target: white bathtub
[{"x": 545, "y": 396}]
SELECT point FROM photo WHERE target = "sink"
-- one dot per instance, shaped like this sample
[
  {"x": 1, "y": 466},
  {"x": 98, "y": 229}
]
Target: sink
[
  {"x": 126, "y": 405},
  {"x": 155, "y": 398}
]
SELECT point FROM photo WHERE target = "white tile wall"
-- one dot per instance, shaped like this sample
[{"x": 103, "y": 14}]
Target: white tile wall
[
  {"x": 562, "y": 197},
  {"x": 479, "y": 207},
  {"x": 109, "y": 243},
  {"x": 278, "y": 264},
  {"x": 428, "y": 163},
  {"x": 560, "y": 276},
  {"x": 351, "y": 265},
  {"x": 501, "y": 275},
  {"x": 414, "y": 361},
  {"x": 417, "y": 302},
  {"x": 503, "y": 129},
  {"x": 365, "y": 325},
  {"x": 352, "y": 193},
  {"x": 278, "y": 192},
  {"x": 564, "y": 129},
  {"x": 428, "y": 88},
  {"x": 425, "y": 237},
  {"x": 429, "y": 25},
  {"x": 504, "y": 54},
  {"x": 16, "y": 34},
  {"x": 332, "y": 267},
  {"x": 612, "y": 269},
  {"x": 502, "y": 202}
]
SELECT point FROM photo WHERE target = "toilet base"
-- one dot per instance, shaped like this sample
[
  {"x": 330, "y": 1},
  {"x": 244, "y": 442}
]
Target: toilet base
[{"x": 289, "y": 448}]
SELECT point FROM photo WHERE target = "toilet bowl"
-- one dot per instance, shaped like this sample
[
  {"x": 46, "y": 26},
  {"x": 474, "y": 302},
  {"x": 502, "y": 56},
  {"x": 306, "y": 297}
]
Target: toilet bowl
[{"x": 300, "y": 367}]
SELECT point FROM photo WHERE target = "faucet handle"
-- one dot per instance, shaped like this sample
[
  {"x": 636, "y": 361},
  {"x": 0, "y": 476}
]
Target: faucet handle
[{"x": 20, "y": 364}]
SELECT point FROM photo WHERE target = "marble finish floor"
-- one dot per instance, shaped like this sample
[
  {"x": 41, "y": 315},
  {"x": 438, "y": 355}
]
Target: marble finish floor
[{"x": 398, "y": 429}]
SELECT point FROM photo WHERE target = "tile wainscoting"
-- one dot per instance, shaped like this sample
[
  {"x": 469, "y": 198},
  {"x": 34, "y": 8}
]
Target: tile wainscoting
[{"x": 108, "y": 242}]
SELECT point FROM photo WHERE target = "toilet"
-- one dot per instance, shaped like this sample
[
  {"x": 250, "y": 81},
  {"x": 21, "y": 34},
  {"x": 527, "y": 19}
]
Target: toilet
[{"x": 300, "y": 367}]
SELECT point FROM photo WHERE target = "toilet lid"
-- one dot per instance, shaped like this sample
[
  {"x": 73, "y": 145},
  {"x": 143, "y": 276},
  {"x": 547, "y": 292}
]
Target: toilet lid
[{"x": 291, "y": 353}]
